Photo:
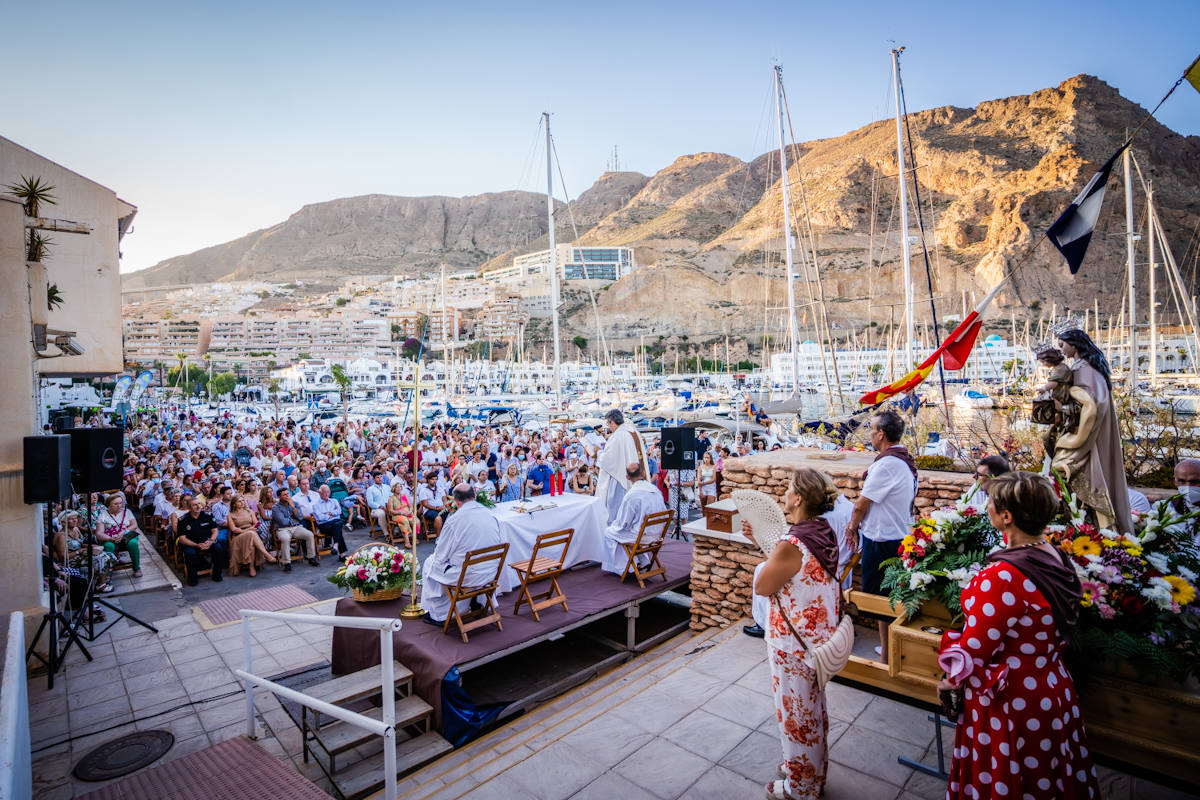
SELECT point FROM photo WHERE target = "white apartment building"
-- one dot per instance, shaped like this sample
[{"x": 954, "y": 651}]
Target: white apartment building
[{"x": 603, "y": 264}]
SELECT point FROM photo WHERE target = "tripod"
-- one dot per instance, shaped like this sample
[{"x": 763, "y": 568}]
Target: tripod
[
  {"x": 51, "y": 622},
  {"x": 90, "y": 598},
  {"x": 678, "y": 532}
]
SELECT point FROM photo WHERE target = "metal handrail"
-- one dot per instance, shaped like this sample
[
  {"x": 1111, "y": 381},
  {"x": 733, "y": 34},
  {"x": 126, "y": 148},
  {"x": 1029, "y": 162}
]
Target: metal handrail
[{"x": 385, "y": 727}]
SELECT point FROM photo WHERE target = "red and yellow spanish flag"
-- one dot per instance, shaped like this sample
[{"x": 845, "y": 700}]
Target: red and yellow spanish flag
[{"x": 953, "y": 353}]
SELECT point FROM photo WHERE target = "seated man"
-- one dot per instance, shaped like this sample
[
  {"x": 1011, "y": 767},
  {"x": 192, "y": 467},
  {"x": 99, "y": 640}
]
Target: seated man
[
  {"x": 328, "y": 514},
  {"x": 430, "y": 505},
  {"x": 289, "y": 524},
  {"x": 377, "y": 496},
  {"x": 642, "y": 499},
  {"x": 198, "y": 535},
  {"x": 471, "y": 527}
]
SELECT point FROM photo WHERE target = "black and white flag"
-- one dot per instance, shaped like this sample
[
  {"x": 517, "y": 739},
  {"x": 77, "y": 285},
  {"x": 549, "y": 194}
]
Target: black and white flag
[{"x": 1072, "y": 231}]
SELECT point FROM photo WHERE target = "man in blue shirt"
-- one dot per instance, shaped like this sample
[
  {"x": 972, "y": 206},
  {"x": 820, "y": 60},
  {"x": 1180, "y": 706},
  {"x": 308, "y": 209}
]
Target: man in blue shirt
[{"x": 538, "y": 480}]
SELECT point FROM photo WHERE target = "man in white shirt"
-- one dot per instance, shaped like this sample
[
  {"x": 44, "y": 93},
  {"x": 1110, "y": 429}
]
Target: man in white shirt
[
  {"x": 624, "y": 447},
  {"x": 429, "y": 504},
  {"x": 883, "y": 511},
  {"x": 377, "y": 497},
  {"x": 989, "y": 467},
  {"x": 304, "y": 497},
  {"x": 642, "y": 499},
  {"x": 471, "y": 527}
]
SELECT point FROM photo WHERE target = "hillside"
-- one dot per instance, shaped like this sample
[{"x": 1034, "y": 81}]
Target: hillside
[{"x": 707, "y": 228}]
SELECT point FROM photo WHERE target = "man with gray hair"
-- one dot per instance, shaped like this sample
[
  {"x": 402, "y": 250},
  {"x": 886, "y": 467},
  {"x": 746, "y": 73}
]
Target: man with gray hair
[
  {"x": 624, "y": 447},
  {"x": 471, "y": 527}
]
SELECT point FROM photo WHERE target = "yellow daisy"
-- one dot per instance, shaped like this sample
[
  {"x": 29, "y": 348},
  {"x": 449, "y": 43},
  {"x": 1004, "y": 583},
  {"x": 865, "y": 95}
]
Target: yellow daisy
[
  {"x": 1182, "y": 592},
  {"x": 1085, "y": 546}
]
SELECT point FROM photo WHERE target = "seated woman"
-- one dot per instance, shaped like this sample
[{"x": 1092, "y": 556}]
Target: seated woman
[
  {"x": 244, "y": 544},
  {"x": 117, "y": 530},
  {"x": 69, "y": 551},
  {"x": 399, "y": 511},
  {"x": 1008, "y": 660},
  {"x": 582, "y": 482}
]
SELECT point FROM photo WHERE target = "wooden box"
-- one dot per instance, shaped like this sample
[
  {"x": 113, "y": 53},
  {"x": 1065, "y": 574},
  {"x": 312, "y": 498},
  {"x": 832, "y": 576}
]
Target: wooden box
[
  {"x": 722, "y": 516},
  {"x": 913, "y": 648}
]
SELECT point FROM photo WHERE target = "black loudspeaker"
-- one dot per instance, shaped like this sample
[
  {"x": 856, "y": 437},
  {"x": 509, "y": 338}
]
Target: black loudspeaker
[
  {"x": 47, "y": 468},
  {"x": 678, "y": 448},
  {"x": 62, "y": 421},
  {"x": 97, "y": 458}
]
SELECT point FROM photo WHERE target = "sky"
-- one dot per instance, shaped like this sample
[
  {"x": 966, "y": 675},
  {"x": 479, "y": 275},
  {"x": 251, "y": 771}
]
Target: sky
[{"x": 220, "y": 118}]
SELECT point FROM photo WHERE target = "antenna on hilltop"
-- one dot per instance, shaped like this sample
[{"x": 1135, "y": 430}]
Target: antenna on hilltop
[{"x": 614, "y": 164}]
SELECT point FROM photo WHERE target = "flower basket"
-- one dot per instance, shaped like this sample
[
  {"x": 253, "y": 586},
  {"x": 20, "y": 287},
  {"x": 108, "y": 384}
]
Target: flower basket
[
  {"x": 375, "y": 572},
  {"x": 379, "y": 596}
]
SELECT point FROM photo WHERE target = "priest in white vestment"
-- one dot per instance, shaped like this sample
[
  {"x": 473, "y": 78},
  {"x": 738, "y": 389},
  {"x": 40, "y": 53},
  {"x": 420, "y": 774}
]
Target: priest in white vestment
[
  {"x": 624, "y": 447},
  {"x": 471, "y": 527},
  {"x": 642, "y": 499}
]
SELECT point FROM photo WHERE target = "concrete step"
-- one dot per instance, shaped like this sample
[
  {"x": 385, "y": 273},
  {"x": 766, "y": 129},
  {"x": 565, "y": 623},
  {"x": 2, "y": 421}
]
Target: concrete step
[{"x": 366, "y": 777}]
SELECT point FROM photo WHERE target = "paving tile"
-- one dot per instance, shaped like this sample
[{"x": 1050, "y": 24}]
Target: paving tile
[
  {"x": 186, "y": 747},
  {"x": 113, "y": 711},
  {"x": 201, "y": 666},
  {"x": 663, "y": 768},
  {"x": 88, "y": 669},
  {"x": 156, "y": 695},
  {"x": 98, "y": 692},
  {"x": 225, "y": 713},
  {"x": 859, "y": 746},
  {"x": 756, "y": 758},
  {"x": 502, "y": 787},
  {"x": 212, "y": 682},
  {"x": 723, "y": 783},
  {"x": 743, "y": 706},
  {"x": 691, "y": 686},
  {"x": 556, "y": 772},
  {"x": 846, "y": 702},
  {"x": 897, "y": 720},
  {"x": 48, "y": 704},
  {"x": 145, "y": 666},
  {"x": 844, "y": 783},
  {"x": 706, "y": 734},
  {"x": 183, "y": 727},
  {"x": 608, "y": 738},
  {"x": 758, "y": 679},
  {"x": 42, "y": 731},
  {"x": 610, "y": 785},
  {"x": 654, "y": 711}
]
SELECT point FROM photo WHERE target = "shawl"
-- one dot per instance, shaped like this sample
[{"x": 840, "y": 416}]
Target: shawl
[
  {"x": 818, "y": 537},
  {"x": 1053, "y": 575}
]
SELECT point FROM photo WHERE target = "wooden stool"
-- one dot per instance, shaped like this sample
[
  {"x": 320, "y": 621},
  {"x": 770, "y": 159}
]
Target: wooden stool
[{"x": 540, "y": 569}]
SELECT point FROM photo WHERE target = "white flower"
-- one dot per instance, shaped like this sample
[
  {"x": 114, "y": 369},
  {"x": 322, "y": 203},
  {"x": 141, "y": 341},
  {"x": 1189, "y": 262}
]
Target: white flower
[
  {"x": 919, "y": 579},
  {"x": 936, "y": 537},
  {"x": 1185, "y": 573},
  {"x": 945, "y": 515},
  {"x": 1108, "y": 533},
  {"x": 1158, "y": 591},
  {"x": 963, "y": 575},
  {"x": 1055, "y": 528},
  {"x": 1158, "y": 561}
]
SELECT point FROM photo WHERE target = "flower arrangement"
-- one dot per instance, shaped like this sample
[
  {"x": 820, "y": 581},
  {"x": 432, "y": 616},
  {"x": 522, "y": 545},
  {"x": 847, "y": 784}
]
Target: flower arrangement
[
  {"x": 939, "y": 558},
  {"x": 374, "y": 569},
  {"x": 1139, "y": 604}
]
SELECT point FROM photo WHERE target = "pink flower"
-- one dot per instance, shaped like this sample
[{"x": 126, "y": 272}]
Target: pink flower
[
  {"x": 362, "y": 574},
  {"x": 1107, "y": 611},
  {"x": 395, "y": 568}
]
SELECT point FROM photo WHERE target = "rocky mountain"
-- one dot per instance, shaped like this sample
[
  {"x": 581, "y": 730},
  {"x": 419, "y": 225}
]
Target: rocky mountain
[{"x": 708, "y": 228}]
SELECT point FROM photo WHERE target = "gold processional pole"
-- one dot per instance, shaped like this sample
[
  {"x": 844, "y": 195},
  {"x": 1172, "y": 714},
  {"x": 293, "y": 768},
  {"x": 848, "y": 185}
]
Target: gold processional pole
[{"x": 413, "y": 610}]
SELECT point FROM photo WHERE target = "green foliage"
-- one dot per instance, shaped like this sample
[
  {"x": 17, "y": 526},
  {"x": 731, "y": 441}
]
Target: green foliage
[
  {"x": 944, "y": 463},
  {"x": 38, "y": 247},
  {"x": 54, "y": 297},
  {"x": 341, "y": 301},
  {"x": 223, "y": 383},
  {"x": 580, "y": 342},
  {"x": 33, "y": 192}
]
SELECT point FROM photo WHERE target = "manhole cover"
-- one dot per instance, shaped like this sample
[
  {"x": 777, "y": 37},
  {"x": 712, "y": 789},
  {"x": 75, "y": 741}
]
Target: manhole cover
[{"x": 123, "y": 756}]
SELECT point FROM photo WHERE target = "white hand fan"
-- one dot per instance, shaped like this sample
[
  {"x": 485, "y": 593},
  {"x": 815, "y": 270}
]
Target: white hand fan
[{"x": 764, "y": 515}]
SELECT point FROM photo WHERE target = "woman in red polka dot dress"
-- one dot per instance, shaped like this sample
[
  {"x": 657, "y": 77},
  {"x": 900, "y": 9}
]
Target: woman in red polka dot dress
[{"x": 1021, "y": 734}]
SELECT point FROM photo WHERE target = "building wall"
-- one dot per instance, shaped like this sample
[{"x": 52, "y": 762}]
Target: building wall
[{"x": 85, "y": 267}]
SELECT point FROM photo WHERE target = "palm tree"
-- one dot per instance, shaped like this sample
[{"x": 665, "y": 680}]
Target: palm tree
[
  {"x": 208, "y": 360},
  {"x": 32, "y": 193},
  {"x": 273, "y": 392},
  {"x": 344, "y": 385},
  {"x": 182, "y": 374}
]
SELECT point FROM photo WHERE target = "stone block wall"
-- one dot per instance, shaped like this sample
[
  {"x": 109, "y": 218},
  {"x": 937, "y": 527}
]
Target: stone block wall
[{"x": 723, "y": 564}]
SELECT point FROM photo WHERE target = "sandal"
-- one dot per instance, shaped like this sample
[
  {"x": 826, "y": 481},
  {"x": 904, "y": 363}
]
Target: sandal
[
  {"x": 777, "y": 790},
  {"x": 106, "y": 589}
]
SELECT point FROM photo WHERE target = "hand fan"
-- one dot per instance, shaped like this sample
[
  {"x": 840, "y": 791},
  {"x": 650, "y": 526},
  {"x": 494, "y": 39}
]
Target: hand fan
[{"x": 764, "y": 515}]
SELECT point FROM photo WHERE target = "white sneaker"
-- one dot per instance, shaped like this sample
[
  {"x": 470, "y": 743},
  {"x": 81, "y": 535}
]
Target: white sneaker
[{"x": 878, "y": 650}]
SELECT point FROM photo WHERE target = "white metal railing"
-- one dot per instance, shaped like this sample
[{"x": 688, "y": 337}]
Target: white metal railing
[
  {"x": 16, "y": 774},
  {"x": 386, "y": 727}
]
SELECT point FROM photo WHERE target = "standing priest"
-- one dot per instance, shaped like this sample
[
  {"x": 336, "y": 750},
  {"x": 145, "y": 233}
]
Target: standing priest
[{"x": 624, "y": 447}]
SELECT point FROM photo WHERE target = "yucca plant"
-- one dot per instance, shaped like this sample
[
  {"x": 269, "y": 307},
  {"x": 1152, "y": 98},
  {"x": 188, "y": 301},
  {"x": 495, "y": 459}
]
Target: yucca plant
[
  {"x": 54, "y": 297},
  {"x": 33, "y": 192},
  {"x": 38, "y": 247}
]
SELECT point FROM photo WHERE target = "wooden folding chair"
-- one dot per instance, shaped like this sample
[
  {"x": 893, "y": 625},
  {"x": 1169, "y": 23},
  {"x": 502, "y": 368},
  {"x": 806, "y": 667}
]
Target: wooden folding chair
[
  {"x": 649, "y": 541},
  {"x": 324, "y": 544},
  {"x": 459, "y": 593},
  {"x": 540, "y": 568},
  {"x": 395, "y": 536},
  {"x": 373, "y": 525}
]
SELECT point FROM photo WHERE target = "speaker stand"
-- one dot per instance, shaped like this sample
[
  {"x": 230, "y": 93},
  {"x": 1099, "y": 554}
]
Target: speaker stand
[
  {"x": 678, "y": 532},
  {"x": 91, "y": 635},
  {"x": 51, "y": 622}
]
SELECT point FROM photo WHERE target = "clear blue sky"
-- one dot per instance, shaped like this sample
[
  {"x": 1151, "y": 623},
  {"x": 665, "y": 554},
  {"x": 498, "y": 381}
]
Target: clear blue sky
[{"x": 223, "y": 117}]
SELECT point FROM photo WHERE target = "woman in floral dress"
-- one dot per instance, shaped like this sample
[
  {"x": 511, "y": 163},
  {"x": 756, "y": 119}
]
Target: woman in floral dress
[
  {"x": 1020, "y": 734},
  {"x": 800, "y": 577}
]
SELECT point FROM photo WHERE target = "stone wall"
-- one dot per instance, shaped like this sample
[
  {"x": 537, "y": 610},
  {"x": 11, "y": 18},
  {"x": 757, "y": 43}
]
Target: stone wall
[{"x": 723, "y": 564}]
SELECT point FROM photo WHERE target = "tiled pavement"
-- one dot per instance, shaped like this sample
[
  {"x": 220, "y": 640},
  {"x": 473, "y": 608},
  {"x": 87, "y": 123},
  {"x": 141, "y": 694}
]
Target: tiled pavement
[{"x": 691, "y": 719}]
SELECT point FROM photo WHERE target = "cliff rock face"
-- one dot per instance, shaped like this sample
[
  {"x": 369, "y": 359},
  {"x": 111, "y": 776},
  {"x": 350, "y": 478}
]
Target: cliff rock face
[{"x": 708, "y": 228}]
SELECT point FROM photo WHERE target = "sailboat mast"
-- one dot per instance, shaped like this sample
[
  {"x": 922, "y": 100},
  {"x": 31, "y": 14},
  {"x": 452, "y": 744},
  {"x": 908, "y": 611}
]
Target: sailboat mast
[
  {"x": 1130, "y": 251},
  {"x": 906, "y": 254},
  {"x": 556, "y": 381},
  {"x": 1152, "y": 287},
  {"x": 787, "y": 236}
]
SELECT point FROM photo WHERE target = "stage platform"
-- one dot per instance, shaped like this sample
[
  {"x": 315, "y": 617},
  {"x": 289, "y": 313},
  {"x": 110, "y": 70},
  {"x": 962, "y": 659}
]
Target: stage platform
[{"x": 592, "y": 594}]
